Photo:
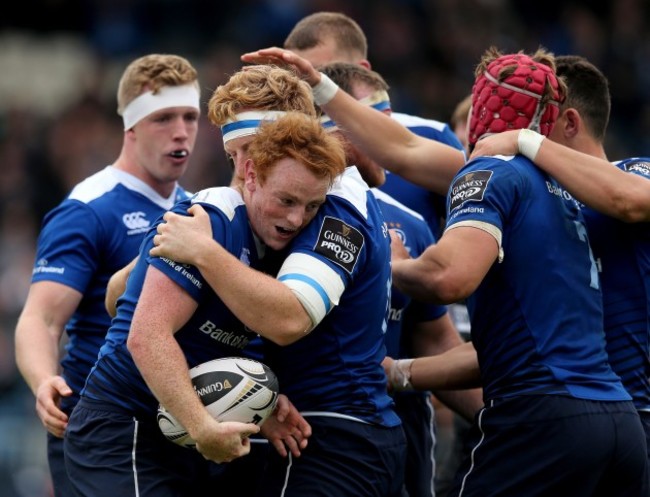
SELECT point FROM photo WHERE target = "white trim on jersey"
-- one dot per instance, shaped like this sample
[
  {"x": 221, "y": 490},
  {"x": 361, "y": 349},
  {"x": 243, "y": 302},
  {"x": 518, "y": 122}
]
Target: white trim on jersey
[
  {"x": 316, "y": 285},
  {"x": 487, "y": 227}
]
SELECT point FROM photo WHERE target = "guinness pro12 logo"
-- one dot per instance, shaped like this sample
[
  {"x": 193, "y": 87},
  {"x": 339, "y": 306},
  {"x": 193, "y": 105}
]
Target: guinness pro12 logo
[{"x": 339, "y": 242}]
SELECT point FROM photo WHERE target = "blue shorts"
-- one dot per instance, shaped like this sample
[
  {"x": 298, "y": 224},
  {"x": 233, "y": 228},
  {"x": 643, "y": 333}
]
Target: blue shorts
[
  {"x": 645, "y": 421},
  {"x": 241, "y": 477},
  {"x": 110, "y": 453},
  {"x": 56, "y": 462},
  {"x": 416, "y": 412},
  {"x": 543, "y": 445},
  {"x": 344, "y": 458}
]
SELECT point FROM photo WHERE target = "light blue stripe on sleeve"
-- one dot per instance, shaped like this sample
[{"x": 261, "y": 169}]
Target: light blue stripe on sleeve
[{"x": 312, "y": 283}]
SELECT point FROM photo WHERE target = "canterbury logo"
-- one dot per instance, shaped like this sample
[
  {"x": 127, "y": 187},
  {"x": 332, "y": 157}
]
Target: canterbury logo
[{"x": 135, "y": 220}]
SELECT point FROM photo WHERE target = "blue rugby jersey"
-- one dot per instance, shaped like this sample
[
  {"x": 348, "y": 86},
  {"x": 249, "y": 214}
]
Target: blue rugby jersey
[
  {"x": 622, "y": 254},
  {"x": 537, "y": 315},
  {"x": 94, "y": 232},
  {"x": 336, "y": 368},
  {"x": 212, "y": 331},
  {"x": 416, "y": 236},
  {"x": 429, "y": 204}
]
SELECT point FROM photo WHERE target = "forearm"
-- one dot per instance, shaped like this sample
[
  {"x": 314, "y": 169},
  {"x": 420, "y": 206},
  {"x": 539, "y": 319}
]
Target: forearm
[
  {"x": 596, "y": 182},
  {"x": 37, "y": 350},
  {"x": 464, "y": 402},
  {"x": 455, "y": 369},
  {"x": 260, "y": 301},
  {"x": 427, "y": 163},
  {"x": 418, "y": 279}
]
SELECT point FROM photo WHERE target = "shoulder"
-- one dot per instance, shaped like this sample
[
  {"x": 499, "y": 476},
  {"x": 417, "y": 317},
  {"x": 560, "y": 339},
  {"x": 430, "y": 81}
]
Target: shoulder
[
  {"x": 635, "y": 165},
  {"x": 224, "y": 199},
  {"x": 409, "y": 120},
  {"x": 95, "y": 186},
  {"x": 350, "y": 187},
  {"x": 429, "y": 128},
  {"x": 386, "y": 200}
]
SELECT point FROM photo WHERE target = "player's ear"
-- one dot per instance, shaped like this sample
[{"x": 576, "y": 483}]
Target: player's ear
[
  {"x": 571, "y": 122},
  {"x": 250, "y": 175},
  {"x": 365, "y": 63}
]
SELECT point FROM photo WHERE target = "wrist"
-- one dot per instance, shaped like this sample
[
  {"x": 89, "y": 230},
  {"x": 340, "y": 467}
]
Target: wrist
[
  {"x": 529, "y": 142},
  {"x": 324, "y": 91},
  {"x": 400, "y": 375}
]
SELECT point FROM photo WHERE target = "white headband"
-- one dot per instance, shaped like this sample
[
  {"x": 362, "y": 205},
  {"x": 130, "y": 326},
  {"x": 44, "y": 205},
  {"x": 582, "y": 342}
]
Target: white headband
[
  {"x": 167, "y": 96},
  {"x": 247, "y": 123}
]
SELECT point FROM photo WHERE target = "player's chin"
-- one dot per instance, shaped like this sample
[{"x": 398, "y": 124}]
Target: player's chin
[{"x": 281, "y": 238}]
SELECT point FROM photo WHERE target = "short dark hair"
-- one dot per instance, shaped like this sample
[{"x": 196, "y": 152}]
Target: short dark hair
[
  {"x": 313, "y": 29},
  {"x": 587, "y": 92},
  {"x": 344, "y": 74}
]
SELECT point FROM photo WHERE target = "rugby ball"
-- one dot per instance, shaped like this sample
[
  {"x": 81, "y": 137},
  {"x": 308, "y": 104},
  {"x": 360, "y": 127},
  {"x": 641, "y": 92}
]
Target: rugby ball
[{"x": 232, "y": 389}]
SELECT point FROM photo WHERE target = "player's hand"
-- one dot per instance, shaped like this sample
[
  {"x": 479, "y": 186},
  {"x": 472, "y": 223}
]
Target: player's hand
[
  {"x": 179, "y": 237},
  {"x": 398, "y": 251},
  {"x": 48, "y": 398},
  {"x": 286, "y": 428},
  {"x": 225, "y": 441},
  {"x": 505, "y": 143},
  {"x": 283, "y": 58}
]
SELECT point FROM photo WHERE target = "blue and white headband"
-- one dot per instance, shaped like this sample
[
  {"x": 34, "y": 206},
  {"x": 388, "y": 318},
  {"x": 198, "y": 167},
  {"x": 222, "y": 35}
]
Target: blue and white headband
[
  {"x": 247, "y": 123},
  {"x": 378, "y": 100}
]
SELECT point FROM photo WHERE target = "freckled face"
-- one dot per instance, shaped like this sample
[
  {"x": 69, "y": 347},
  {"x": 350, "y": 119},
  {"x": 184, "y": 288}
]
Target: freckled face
[{"x": 286, "y": 202}]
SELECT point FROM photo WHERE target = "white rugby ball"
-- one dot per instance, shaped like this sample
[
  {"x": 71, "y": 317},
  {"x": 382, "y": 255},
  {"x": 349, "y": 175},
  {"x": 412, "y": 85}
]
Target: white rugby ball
[{"x": 232, "y": 389}]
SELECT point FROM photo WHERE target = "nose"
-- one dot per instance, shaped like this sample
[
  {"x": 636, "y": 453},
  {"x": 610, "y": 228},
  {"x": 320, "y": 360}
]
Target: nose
[
  {"x": 181, "y": 128},
  {"x": 296, "y": 216}
]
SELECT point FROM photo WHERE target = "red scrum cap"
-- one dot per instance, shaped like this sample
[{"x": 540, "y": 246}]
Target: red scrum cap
[{"x": 514, "y": 91}]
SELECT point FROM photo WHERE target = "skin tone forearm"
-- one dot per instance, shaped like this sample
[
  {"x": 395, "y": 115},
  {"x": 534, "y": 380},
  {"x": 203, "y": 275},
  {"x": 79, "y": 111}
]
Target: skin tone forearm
[
  {"x": 596, "y": 182},
  {"x": 261, "y": 302},
  {"x": 456, "y": 368},
  {"x": 425, "y": 162},
  {"x": 436, "y": 337},
  {"x": 592, "y": 180},
  {"x": 116, "y": 286},
  {"x": 37, "y": 341}
]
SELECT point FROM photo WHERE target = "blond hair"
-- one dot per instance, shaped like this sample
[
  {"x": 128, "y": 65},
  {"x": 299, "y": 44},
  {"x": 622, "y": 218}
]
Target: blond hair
[
  {"x": 152, "y": 72},
  {"x": 263, "y": 87}
]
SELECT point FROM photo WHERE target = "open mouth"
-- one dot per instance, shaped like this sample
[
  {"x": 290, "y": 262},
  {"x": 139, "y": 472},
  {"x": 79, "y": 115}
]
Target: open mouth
[
  {"x": 285, "y": 231},
  {"x": 179, "y": 154}
]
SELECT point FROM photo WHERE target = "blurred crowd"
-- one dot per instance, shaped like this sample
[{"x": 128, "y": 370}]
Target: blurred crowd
[{"x": 58, "y": 122}]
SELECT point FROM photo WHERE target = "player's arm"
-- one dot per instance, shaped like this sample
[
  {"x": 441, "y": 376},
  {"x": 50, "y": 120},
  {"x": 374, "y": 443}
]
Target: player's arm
[
  {"x": 457, "y": 368},
  {"x": 162, "y": 309},
  {"x": 434, "y": 337},
  {"x": 116, "y": 286},
  {"x": 592, "y": 180},
  {"x": 450, "y": 270},
  {"x": 260, "y": 301},
  {"x": 425, "y": 162},
  {"x": 39, "y": 329}
]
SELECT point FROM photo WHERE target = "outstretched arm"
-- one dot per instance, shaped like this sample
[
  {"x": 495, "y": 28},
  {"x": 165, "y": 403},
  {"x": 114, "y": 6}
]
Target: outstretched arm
[
  {"x": 456, "y": 368},
  {"x": 428, "y": 163},
  {"x": 594, "y": 181}
]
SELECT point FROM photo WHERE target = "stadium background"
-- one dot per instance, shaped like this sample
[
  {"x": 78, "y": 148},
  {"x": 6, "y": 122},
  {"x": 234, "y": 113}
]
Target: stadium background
[{"x": 60, "y": 61}]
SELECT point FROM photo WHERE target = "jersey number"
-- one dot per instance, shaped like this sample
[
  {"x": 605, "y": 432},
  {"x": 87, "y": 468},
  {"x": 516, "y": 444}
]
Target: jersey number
[{"x": 582, "y": 234}]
